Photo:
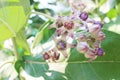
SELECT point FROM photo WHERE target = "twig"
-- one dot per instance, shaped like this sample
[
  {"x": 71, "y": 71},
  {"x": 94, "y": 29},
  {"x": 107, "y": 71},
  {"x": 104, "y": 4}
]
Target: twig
[{"x": 47, "y": 16}]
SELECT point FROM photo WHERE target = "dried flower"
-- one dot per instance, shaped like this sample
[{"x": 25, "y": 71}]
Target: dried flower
[
  {"x": 59, "y": 22},
  {"x": 69, "y": 25},
  {"x": 46, "y": 56}
]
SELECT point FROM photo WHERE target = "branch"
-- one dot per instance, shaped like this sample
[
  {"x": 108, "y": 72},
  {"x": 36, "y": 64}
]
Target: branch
[{"x": 47, "y": 16}]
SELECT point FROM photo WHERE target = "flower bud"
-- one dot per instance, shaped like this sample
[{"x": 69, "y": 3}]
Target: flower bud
[
  {"x": 69, "y": 25},
  {"x": 83, "y": 16},
  {"x": 46, "y": 56},
  {"x": 56, "y": 55},
  {"x": 82, "y": 37},
  {"x": 59, "y": 23},
  {"x": 100, "y": 52},
  {"x": 95, "y": 29},
  {"x": 91, "y": 40},
  {"x": 91, "y": 55},
  {"x": 96, "y": 44},
  {"x": 83, "y": 47},
  {"x": 59, "y": 31},
  {"x": 100, "y": 36},
  {"x": 98, "y": 23},
  {"x": 61, "y": 45}
]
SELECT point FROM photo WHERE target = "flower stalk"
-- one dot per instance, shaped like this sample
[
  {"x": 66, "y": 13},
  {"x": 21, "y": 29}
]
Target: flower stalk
[{"x": 15, "y": 48}]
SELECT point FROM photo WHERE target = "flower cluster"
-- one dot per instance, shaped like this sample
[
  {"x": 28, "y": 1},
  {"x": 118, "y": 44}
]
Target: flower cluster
[{"x": 77, "y": 26}]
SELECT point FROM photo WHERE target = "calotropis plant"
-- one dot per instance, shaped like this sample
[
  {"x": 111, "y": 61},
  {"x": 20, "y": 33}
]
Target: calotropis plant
[{"x": 79, "y": 27}]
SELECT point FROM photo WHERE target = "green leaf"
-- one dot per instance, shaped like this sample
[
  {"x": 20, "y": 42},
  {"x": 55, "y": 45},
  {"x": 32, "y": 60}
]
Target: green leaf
[
  {"x": 44, "y": 34},
  {"x": 112, "y": 13},
  {"x": 103, "y": 68},
  {"x": 75, "y": 56},
  {"x": 35, "y": 66},
  {"x": 22, "y": 42},
  {"x": 93, "y": 71},
  {"x": 13, "y": 15},
  {"x": 5, "y": 30},
  {"x": 18, "y": 64},
  {"x": 36, "y": 22},
  {"x": 56, "y": 76}
]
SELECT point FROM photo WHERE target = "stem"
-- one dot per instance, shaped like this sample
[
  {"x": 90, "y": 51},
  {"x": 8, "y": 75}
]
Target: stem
[
  {"x": 96, "y": 2},
  {"x": 47, "y": 16},
  {"x": 15, "y": 48},
  {"x": 5, "y": 64}
]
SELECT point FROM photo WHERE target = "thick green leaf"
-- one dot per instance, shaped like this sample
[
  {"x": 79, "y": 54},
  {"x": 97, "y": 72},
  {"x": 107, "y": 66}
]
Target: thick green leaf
[
  {"x": 35, "y": 66},
  {"x": 103, "y": 68},
  {"x": 18, "y": 64},
  {"x": 56, "y": 76},
  {"x": 75, "y": 56},
  {"x": 93, "y": 71},
  {"x": 5, "y": 30},
  {"x": 13, "y": 15}
]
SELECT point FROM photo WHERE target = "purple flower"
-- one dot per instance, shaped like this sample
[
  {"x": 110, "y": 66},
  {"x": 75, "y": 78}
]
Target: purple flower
[
  {"x": 80, "y": 28},
  {"x": 83, "y": 16},
  {"x": 100, "y": 52},
  {"x": 61, "y": 45}
]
